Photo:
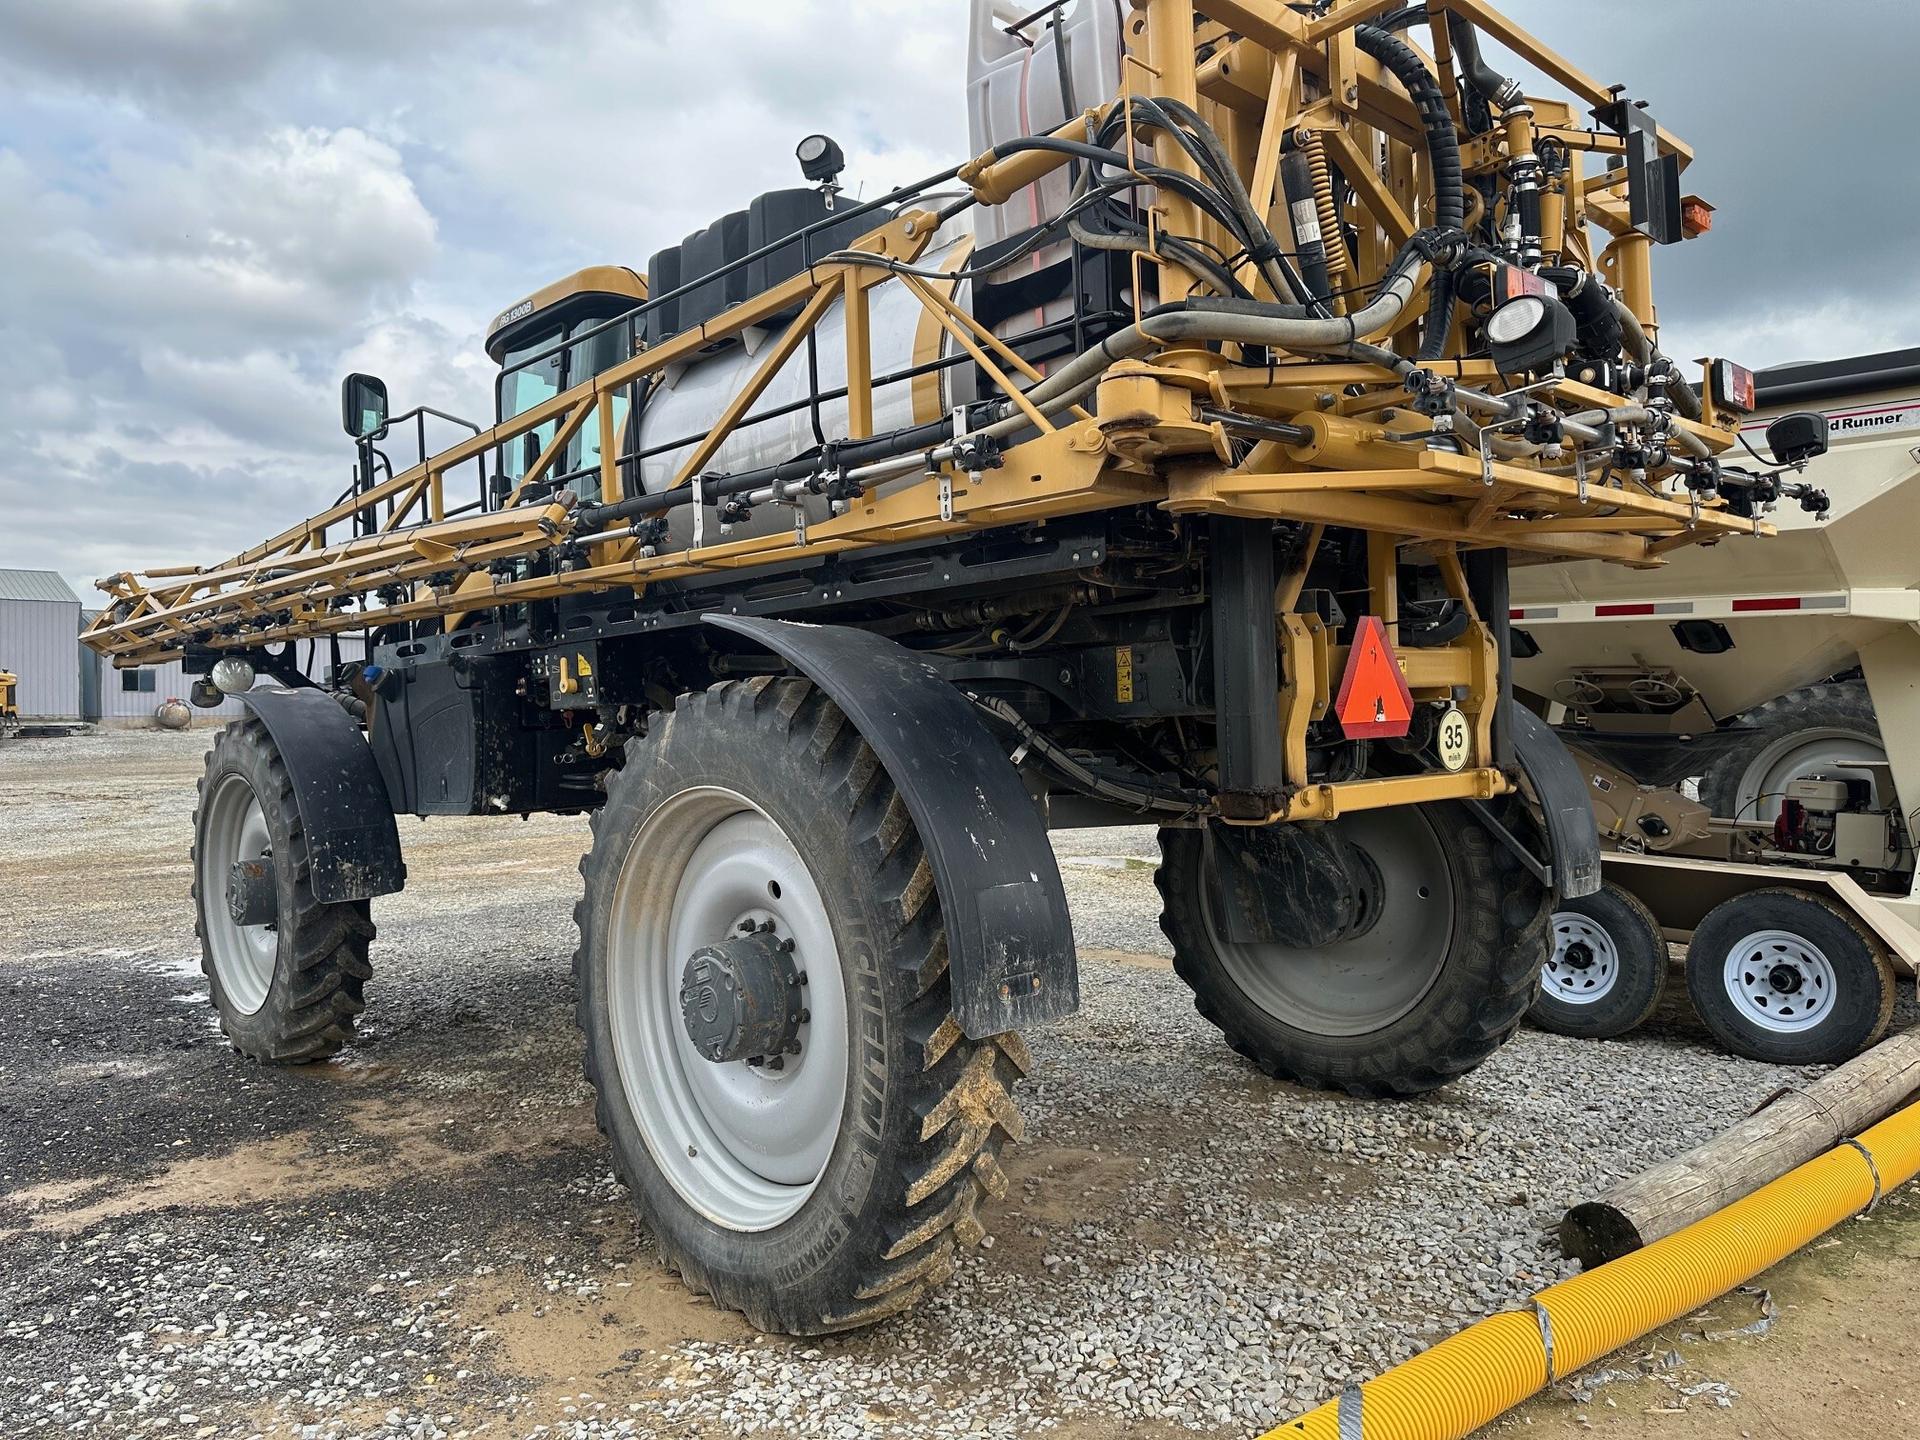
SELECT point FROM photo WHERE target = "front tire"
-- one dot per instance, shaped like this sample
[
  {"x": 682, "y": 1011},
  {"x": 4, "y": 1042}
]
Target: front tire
[
  {"x": 287, "y": 990},
  {"x": 1608, "y": 967},
  {"x": 1440, "y": 980},
  {"x": 833, "y": 1191}
]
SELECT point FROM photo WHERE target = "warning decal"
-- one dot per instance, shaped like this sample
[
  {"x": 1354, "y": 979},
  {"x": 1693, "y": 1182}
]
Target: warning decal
[{"x": 1374, "y": 703}]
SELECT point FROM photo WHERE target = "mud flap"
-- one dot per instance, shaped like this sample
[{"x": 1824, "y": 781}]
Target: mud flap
[
  {"x": 1559, "y": 794},
  {"x": 353, "y": 845},
  {"x": 1009, "y": 941}
]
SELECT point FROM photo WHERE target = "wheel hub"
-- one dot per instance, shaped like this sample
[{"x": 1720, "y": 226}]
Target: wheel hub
[
  {"x": 1585, "y": 962},
  {"x": 741, "y": 999},
  {"x": 253, "y": 892},
  {"x": 1780, "y": 981}
]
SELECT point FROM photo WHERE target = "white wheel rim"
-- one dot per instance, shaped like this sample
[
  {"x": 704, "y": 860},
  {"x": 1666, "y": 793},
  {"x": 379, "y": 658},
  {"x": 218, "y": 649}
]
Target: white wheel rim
[
  {"x": 744, "y": 1145},
  {"x": 1780, "y": 981},
  {"x": 243, "y": 955},
  {"x": 1820, "y": 751},
  {"x": 1585, "y": 964}
]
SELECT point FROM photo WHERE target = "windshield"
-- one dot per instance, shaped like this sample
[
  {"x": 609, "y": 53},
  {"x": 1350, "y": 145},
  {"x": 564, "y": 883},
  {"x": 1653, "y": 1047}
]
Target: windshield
[{"x": 526, "y": 382}]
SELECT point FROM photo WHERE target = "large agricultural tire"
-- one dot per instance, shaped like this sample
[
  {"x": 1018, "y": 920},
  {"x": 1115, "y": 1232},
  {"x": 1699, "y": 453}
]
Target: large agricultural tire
[
  {"x": 1789, "y": 978},
  {"x": 287, "y": 990},
  {"x": 1439, "y": 982},
  {"x": 835, "y": 1191},
  {"x": 1805, "y": 732},
  {"x": 1607, "y": 969}
]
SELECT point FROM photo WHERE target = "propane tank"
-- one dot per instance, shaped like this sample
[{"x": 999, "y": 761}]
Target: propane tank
[{"x": 172, "y": 714}]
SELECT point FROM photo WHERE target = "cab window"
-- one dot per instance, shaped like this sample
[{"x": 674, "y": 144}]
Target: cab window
[{"x": 526, "y": 381}]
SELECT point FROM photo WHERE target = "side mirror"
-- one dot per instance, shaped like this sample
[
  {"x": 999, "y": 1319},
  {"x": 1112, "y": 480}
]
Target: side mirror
[{"x": 363, "y": 405}]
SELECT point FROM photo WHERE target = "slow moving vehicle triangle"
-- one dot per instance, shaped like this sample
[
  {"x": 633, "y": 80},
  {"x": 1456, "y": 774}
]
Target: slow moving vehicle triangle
[{"x": 1374, "y": 702}]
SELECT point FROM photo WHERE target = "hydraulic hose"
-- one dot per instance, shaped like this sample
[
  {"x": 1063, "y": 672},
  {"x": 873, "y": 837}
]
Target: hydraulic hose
[
  {"x": 1640, "y": 347},
  {"x": 1443, "y": 151},
  {"x": 1496, "y": 89},
  {"x": 1471, "y": 1378}
]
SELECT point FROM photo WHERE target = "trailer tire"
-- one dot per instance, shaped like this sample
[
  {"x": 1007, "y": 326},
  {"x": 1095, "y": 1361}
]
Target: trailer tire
[
  {"x": 1478, "y": 988},
  {"x": 1608, "y": 967},
  {"x": 286, "y": 992},
  {"x": 1803, "y": 732},
  {"x": 759, "y": 797},
  {"x": 1789, "y": 978}
]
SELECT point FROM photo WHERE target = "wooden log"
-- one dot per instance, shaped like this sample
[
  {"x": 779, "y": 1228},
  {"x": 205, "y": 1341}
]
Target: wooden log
[{"x": 1793, "y": 1127}]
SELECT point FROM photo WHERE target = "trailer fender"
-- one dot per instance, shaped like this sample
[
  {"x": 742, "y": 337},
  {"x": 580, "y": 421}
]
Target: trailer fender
[
  {"x": 1009, "y": 941},
  {"x": 353, "y": 845},
  {"x": 1560, "y": 797}
]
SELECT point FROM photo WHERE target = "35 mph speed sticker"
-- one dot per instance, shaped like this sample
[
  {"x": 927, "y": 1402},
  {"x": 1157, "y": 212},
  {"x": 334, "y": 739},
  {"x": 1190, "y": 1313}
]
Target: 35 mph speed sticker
[{"x": 1452, "y": 739}]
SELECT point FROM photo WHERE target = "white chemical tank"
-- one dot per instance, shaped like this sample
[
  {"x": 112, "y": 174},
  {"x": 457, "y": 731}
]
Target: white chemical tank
[{"x": 905, "y": 335}]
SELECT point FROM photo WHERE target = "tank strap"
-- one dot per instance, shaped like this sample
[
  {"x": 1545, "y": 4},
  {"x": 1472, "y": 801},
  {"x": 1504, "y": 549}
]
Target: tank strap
[
  {"x": 1546, "y": 1340},
  {"x": 1872, "y": 1169},
  {"x": 1351, "y": 1419}
]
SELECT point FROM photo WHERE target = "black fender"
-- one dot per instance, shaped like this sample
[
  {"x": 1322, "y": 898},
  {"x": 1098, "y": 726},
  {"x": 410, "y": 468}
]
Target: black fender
[
  {"x": 1560, "y": 801},
  {"x": 1009, "y": 940},
  {"x": 353, "y": 845}
]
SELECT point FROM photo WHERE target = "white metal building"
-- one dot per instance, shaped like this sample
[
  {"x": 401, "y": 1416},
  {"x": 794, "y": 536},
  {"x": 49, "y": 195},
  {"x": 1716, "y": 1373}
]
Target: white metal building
[
  {"x": 120, "y": 699},
  {"x": 39, "y": 616}
]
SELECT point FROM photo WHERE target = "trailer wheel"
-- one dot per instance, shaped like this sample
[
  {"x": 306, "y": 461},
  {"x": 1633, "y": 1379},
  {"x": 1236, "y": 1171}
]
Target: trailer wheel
[
  {"x": 1608, "y": 966},
  {"x": 1789, "y": 978},
  {"x": 287, "y": 971},
  {"x": 762, "y": 983},
  {"x": 1807, "y": 732},
  {"x": 1438, "y": 980}
]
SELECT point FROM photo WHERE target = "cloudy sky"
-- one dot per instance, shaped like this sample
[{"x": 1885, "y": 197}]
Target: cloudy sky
[{"x": 211, "y": 209}]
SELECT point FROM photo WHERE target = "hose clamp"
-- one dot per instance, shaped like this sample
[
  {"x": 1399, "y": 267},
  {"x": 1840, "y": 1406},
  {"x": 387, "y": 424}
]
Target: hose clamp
[
  {"x": 1546, "y": 1341},
  {"x": 1351, "y": 1420},
  {"x": 1872, "y": 1169}
]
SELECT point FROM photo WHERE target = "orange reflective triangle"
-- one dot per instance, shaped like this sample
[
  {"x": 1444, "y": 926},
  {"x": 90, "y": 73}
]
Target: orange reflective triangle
[{"x": 1374, "y": 702}]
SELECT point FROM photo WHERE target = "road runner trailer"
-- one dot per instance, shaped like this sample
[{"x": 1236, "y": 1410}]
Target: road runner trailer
[
  {"x": 1753, "y": 673},
  {"x": 1164, "y": 465}
]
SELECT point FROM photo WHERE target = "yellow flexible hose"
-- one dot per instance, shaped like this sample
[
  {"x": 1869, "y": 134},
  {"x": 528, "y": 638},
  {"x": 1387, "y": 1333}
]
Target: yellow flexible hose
[
  {"x": 1332, "y": 233},
  {"x": 1473, "y": 1377}
]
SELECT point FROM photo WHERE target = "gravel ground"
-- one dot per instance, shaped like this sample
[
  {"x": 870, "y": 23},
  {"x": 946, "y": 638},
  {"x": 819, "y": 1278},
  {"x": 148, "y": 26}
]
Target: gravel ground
[{"x": 423, "y": 1239}]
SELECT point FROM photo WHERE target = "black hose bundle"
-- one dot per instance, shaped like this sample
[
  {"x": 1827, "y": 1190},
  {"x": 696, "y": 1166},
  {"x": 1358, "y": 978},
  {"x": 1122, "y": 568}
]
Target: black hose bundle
[{"x": 1443, "y": 150}]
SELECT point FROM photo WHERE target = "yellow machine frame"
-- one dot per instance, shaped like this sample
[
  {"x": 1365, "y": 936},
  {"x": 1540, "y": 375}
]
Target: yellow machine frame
[{"x": 1270, "y": 74}]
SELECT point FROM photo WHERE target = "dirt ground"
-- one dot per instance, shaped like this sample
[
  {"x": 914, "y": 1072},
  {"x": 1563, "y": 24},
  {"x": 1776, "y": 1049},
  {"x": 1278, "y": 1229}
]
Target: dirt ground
[{"x": 421, "y": 1237}]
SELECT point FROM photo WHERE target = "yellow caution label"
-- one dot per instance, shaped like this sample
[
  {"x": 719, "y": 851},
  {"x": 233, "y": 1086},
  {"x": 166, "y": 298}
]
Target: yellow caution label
[{"x": 1123, "y": 674}]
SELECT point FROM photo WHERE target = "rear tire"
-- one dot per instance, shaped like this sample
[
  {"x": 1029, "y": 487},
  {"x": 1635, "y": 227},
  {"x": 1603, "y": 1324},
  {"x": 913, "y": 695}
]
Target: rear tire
[
  {"x": 1806, "y": 732},
  {"x": 762, "y": 792},
  {"x": 287, "y": 991},
  {"x": 1789, "y": 978},
  {"x": 1607, "y": 970},
  {"x": 1439, "y": 983}
]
